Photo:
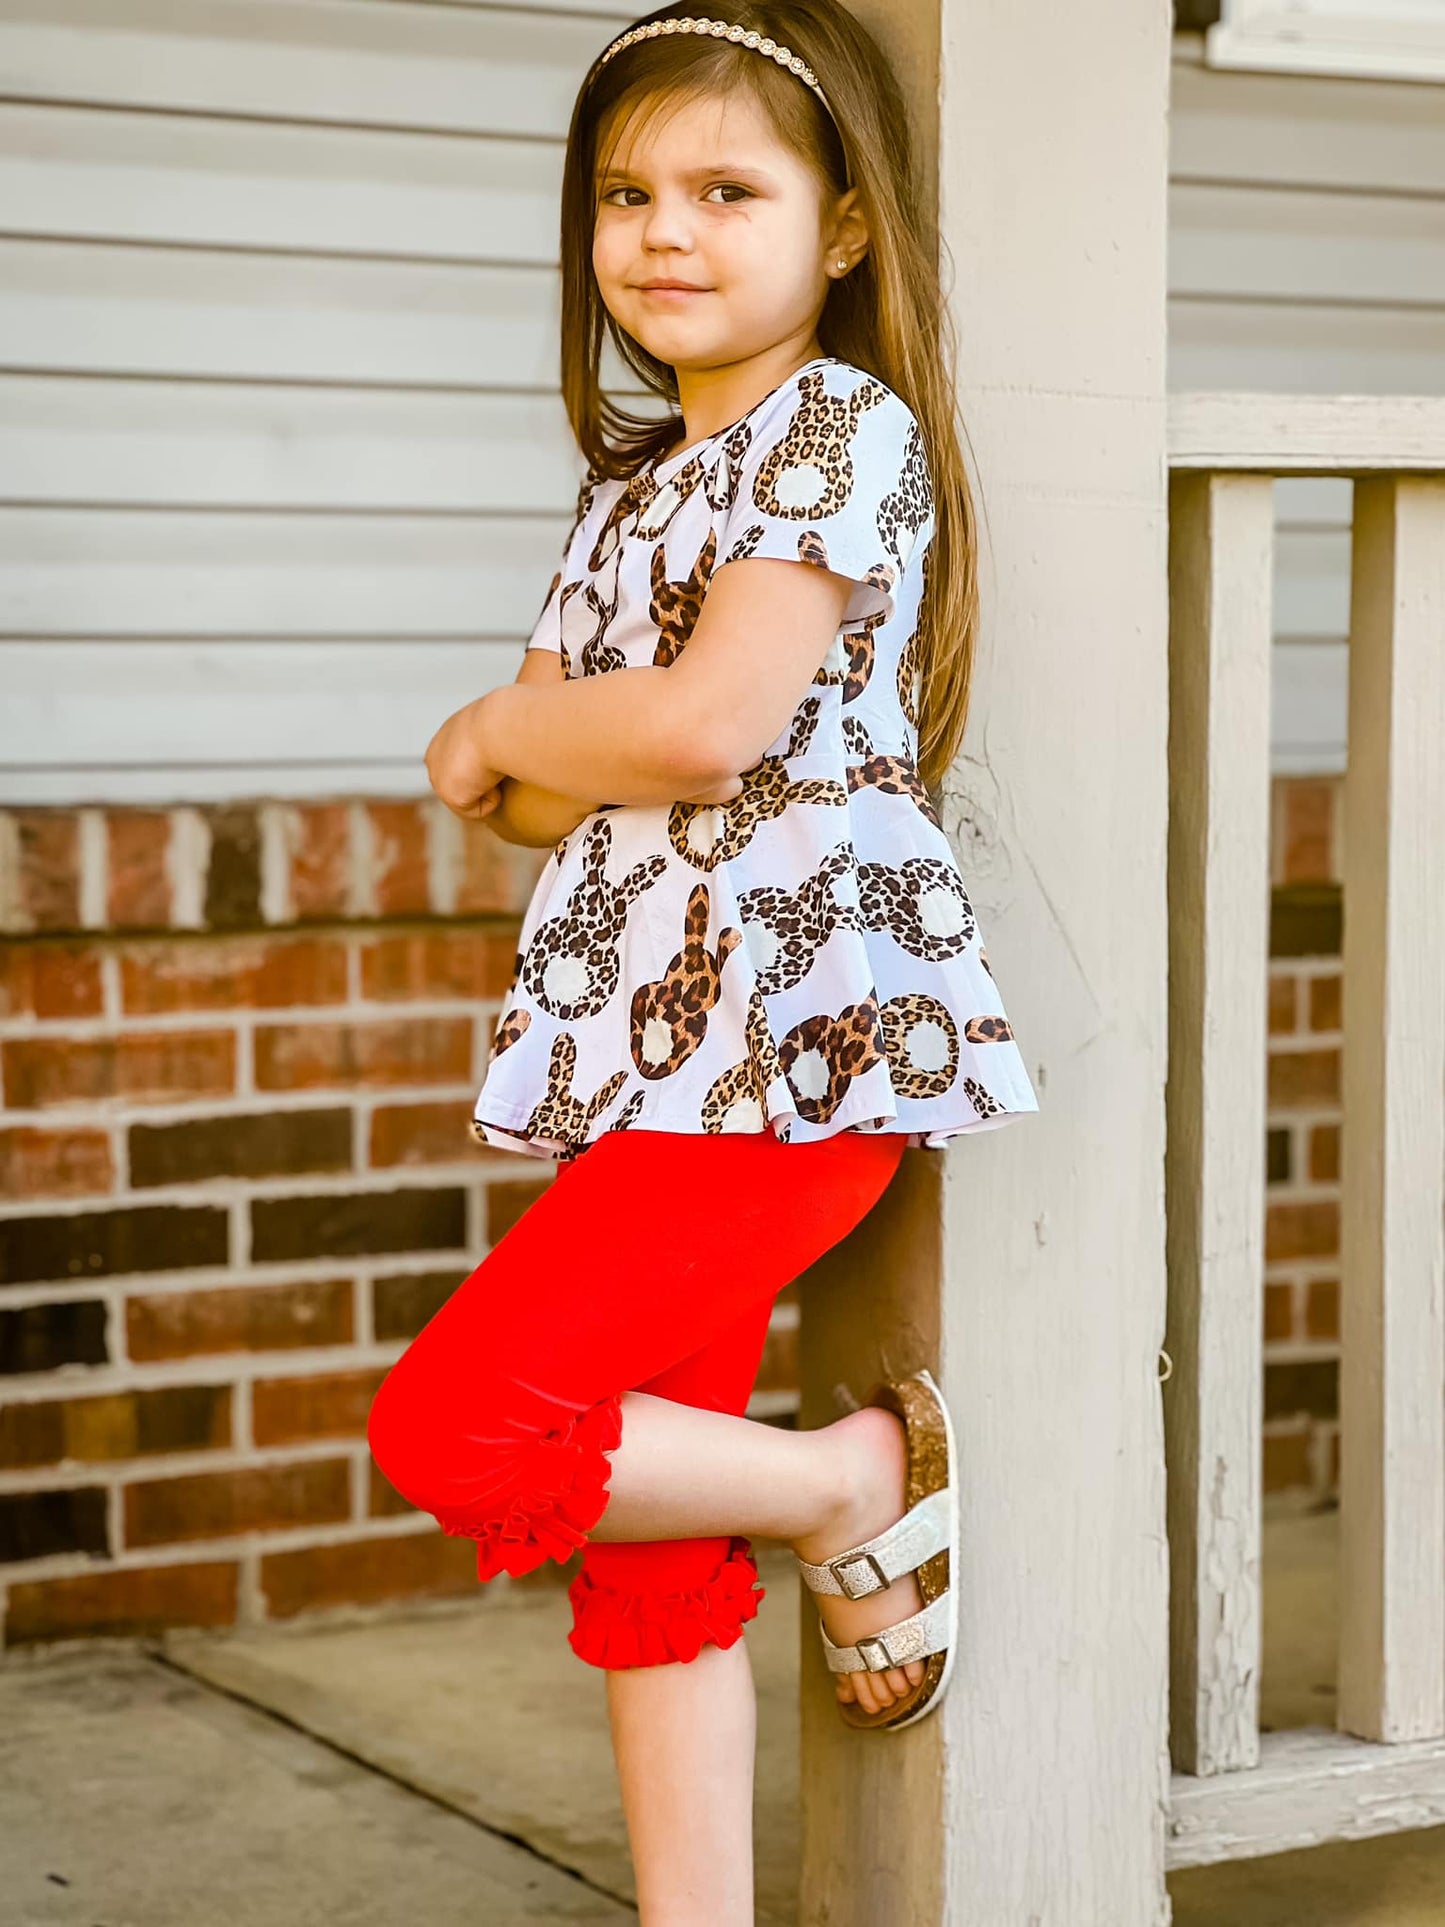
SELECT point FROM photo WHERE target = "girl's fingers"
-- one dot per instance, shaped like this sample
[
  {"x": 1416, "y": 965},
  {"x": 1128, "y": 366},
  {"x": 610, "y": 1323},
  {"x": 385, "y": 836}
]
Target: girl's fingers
[{"x": 474, "y": 812}]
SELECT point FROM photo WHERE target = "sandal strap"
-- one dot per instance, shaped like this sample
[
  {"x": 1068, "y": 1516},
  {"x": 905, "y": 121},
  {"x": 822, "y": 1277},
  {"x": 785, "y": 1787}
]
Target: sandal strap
[
  {"x": 926, "y": 1632},
  {"x": 876, "y": 1563}
]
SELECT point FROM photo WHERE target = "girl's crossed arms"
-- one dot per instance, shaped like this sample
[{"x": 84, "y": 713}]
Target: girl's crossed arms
[{"x": 532, "y": 750}]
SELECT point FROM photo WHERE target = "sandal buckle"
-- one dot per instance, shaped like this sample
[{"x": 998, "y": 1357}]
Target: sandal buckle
[
  {"x": 853, "y": 1590},
  {"x": 879, "y": 1646}
]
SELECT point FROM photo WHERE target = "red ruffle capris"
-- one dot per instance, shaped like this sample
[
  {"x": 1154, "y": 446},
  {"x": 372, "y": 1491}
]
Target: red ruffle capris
[{"x": 649, "y": 1262}]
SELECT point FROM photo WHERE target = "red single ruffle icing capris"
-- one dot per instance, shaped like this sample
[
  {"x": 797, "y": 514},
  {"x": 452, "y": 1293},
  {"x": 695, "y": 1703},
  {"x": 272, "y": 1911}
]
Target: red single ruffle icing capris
[{"x": 649, "y": 1262}]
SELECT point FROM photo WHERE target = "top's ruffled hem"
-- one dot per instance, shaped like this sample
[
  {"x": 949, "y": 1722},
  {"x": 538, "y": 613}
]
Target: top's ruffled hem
[
  {"x": 944, "y": 1059},
  {"x": 506, "y": 1130}
]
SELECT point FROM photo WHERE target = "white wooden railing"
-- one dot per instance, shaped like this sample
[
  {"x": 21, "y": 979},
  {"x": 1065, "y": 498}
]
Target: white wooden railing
[{"x": 1382, "y": 1767}]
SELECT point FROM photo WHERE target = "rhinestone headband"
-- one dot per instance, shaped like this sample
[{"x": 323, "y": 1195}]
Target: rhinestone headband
[
  {"x": 725, "y": 30},
  {"x": 722, "y": 30}
]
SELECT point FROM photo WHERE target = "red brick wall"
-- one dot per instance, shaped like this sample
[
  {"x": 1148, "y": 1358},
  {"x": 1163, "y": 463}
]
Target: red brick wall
[
  {"x": 239, "y": 1048},
  {"x": 1303, "y": 1131}
]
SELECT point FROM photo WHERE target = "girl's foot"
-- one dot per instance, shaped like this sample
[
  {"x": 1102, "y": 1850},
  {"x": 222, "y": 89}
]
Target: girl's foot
[{"x": 871, "y": 1457}]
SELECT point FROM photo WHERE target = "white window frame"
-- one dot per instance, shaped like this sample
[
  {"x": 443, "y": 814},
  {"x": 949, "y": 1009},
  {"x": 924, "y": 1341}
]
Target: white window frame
[{"x": 1355, "y": 39}]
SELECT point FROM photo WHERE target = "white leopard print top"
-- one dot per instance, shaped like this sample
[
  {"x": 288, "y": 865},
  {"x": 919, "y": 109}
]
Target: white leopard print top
[{"x": 804, "y": 959}]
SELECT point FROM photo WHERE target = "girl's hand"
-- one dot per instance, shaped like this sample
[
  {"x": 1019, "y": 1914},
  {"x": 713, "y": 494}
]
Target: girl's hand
[{"x": 463, "y": 782}]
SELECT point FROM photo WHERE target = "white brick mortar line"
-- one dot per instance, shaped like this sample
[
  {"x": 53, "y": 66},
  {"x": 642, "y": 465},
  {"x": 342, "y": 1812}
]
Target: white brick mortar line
[
  {"x": 241, "y": 1547},
  {"x": 94, "y": 847},
  {"x": 361, "y": 876},
  {"x": 277, "y": 903},
  {"x": 110, "y": 986},
  {"x": 235, "y": 1194},
  {"x": 188, "y": 861},
  {"x": 12, "y": 918},
  {"x": 235, "y": 1371},
  {"x": 253, "y": 1103},
  {"x": 444, "y": 857}
]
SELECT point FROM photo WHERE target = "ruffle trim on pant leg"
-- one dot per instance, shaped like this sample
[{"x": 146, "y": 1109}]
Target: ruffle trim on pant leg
[
  {"x": 555, "y": 1491},
  {"x": 615, "y": 1629}
]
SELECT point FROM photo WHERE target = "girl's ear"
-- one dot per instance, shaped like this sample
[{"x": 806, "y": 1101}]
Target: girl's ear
[{"x": 850, "y": 230}]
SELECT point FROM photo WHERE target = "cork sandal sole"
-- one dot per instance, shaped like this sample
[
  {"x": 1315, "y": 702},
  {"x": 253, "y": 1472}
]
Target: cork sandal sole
[{"x": 928, "y": 1527}]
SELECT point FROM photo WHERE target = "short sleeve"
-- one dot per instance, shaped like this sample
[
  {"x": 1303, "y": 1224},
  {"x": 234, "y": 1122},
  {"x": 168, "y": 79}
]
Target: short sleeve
[
  {"x": 547, "y": 630},
  {"x": 836, "y": 476}
]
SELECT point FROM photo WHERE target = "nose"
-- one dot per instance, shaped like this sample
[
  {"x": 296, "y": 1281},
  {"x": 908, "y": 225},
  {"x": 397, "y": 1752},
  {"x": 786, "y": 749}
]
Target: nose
[{"x": 667, "y": 226}]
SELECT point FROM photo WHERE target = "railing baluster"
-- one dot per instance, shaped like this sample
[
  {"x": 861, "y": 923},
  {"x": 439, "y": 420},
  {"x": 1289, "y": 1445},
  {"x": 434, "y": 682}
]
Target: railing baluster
[
  {"x": 1307, "y": 1786},
  {"x": 1220, "y": 597},
  {"x": 1392, "y": 1406}
]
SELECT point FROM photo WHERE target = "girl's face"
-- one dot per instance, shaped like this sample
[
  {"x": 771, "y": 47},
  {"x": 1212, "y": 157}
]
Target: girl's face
[{"x": 709, "y": 197}]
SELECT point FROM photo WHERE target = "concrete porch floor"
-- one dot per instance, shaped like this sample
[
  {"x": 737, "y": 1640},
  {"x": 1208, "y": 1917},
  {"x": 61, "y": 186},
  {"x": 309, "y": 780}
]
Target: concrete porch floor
[{"x": 452, "y": 1764}]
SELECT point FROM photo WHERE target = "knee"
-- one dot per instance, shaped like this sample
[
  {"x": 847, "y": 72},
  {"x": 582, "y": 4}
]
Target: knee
[
  {"x": 448, "y": 1447},
  {"x": 401, "y": 1436},
  {"x": 384, "y": 1429}
]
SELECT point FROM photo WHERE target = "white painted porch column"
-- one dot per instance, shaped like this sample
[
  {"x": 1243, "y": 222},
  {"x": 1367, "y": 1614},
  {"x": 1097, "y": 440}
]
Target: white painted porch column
[{"x": 1028, "y": 1264}]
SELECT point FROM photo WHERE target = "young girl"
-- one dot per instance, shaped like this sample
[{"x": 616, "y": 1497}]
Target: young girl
[{"x": 752, "y": 976}]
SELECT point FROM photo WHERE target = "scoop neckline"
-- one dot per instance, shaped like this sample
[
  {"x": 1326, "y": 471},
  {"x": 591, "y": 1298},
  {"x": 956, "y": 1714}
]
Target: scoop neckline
[{"x": 681, "y": 455}]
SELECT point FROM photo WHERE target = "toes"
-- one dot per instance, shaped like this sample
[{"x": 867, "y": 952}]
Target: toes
[{"x": 874, "y": 1692}]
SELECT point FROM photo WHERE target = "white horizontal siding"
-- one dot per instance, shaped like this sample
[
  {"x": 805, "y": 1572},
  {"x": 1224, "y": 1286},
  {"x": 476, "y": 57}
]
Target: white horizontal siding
[
  {"x": 1306, "y": 246},
  {"x": 181, "y": 182},
  {"x": 284, "y": 463},
  {"x": 377, "y": 704},
  {"x": 362, "y": 63},
  {"x": 283, "y": 458},
  {"x": 1344, "y": 347},
  {"x": 1307, "y": 255},
  {"x": 269, "y": 445},
  {"x": 128, "y": 574},
  {"x": 1262, "y": 129},
  {"x": 180, "y": 313},
  {"x": 1309, "y": 664}
]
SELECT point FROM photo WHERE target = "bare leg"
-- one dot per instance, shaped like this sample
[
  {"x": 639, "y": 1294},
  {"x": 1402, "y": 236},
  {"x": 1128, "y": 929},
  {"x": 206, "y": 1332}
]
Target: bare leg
[
  {"x": 681, "y": 1472},
  {"x": 684, "y": 1736}
]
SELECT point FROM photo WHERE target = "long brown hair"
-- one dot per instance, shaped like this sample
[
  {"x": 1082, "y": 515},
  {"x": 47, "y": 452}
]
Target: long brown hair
[{"x": 888, "y": 316}]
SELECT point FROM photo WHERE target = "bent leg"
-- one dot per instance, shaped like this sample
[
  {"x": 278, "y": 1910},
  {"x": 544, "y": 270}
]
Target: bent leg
[
  {"x": 500, "y": 1416},
  {"x": 643, "y": 1602}
]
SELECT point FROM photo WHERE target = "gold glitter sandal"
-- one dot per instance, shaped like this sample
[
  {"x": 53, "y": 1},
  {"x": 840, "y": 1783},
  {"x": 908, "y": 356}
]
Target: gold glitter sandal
[{"x": 924, "y": 1540}]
